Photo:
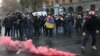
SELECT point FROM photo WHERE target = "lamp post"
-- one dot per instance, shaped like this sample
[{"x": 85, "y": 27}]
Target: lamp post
[
  {"x": 56, "y": 7},
  {"x": 44, "y": 6},
  {"x": 18, "y": 1},
  {"x": 23, "y": 4},
  {"x": 0, "y": 3},
  {"x": 0, "y": 7}
]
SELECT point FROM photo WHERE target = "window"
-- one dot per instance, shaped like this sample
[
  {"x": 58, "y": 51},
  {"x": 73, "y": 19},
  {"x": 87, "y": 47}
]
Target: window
[
  {"x": 63, "y": 1},
  {"x": 70, "y": 1},
  {"x": 47, "y": 2},
  {"x": 79, "y": 0},
  {"x": 51, "y": 2},
  {"x": 57, "y": 1}
]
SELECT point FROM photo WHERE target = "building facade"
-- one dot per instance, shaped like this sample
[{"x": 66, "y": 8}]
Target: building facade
[{"x": 75, "y": 6}]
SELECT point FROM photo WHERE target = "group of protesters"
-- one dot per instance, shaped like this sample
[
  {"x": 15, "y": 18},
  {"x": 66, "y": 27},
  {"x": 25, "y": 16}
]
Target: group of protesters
[{"x": 25, "y": 25}]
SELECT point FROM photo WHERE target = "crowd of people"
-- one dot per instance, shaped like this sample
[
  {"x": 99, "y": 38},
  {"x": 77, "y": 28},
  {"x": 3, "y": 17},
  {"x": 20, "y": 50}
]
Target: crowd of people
[{"x": 25, "y": 25}]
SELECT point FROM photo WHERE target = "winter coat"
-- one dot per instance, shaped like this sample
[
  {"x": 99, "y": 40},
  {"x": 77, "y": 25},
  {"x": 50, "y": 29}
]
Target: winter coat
[
  {"x": 7, "y": 23},
  {"x": 69, "y": 20},
  {"x": 90, "y": 24},
  {"x": 37, "y": 22},
  {"x": 59, "y": 22}
]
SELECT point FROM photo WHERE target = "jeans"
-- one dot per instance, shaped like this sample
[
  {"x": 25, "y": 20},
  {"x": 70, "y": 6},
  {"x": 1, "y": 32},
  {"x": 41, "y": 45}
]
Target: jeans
[
  {"x": 59, "y": 29},
  {"x": 49, "y": 32},
  {"x": 14, "y": 32},
  {"x": 88, "y": 33},
  {"x": 69, "y": 27},
  {"x": 21, "y": 33},
  {"x": 7, "y": 31},
  {"x": 64, "y": 28},
  {"x": 29, "y": 32},
  {"x": 25, "y": 31},
  {"x": 78, "y": 27},
  {"x": 37, "y": 31}
]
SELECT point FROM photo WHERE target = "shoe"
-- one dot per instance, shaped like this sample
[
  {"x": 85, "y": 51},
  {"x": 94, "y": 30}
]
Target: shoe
[
  {"x": 94, "y": 47},
  {"x": 83, "y": 48}
]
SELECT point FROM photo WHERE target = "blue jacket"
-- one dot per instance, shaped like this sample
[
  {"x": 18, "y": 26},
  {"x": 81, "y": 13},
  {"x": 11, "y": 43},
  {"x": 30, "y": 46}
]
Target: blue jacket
[{"x": 7, "y": 23}]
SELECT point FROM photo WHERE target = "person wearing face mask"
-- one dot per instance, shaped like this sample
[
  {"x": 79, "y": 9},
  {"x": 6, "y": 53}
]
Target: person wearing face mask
[
  {"x": 7, "y": 23},
  {"x": 14, "y": 30},
  {"x": 78, "y": 24},
  {"x": 37, "y": 25},
  {"x": 29, "y": 28},
  {"x": 49, "y": 25},
  {"x": 89, "y": 28},
  {"x": 69, "y": 22},
  {"x": 59, "y": 24}
]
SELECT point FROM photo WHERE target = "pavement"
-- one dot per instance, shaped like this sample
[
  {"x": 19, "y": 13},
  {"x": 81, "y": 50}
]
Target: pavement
[{"x": 68, "y": 43}]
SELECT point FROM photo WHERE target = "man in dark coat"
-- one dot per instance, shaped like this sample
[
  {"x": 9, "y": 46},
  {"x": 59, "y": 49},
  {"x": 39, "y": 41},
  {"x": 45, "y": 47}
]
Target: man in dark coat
[
  {"x": 7, "y": 23},
  {"x": 69, "y": 22},
  {"x": 78, "y": 25},
  {"x": 20, "y": 25},
  {"x": 90, "y": 27},
  {"x": 59, "y": 23},
  {"x": 37, "y": 22},
  {"x": 14, "y": 30}
]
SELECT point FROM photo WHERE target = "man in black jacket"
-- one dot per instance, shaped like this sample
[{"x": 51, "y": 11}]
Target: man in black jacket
[
  {"x": 7, "y": 23},
  {"x": 14, "y": 30},
  {"x": 37, "y": 25},
  {"x": 90, "y": 27},
  {"x": 20, "y": 25},
  {"x": 59, "y": 23},
  {"x": 0, "y": 25}
]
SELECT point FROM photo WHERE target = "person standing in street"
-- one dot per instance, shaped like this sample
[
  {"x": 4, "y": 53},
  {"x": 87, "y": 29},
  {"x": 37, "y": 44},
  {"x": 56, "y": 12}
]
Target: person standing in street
[
  {"x": 37, "y": 25},
  {"x": 20, "y": 25},
  {"x": 7, "y": 23},
  {"x": 49, "y": 25},
  {"x": 59, "y": 24},
  {"x": 89, "y": 28},
  {"x": 0, "y": 25},
  {"x": 69, "y": 22},
  {"x": 78, "y": 24},
  {"x": 14, "y": 30}
]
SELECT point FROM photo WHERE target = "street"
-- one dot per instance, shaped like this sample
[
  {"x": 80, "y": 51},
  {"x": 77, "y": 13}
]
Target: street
[
  {"x": 60, "y": 27},
  {"x": 67, "y": 43}
]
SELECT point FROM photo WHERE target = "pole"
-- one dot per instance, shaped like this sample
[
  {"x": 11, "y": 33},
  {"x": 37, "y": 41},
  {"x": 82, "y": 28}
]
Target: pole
[{"x": 56, "y": 7}]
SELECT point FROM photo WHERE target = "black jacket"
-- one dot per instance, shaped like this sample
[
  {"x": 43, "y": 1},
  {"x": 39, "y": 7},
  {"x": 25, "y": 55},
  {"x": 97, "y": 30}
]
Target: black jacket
[
  {"x": 90, "y": 24},
  {"x": 37, "y": 22},
  {"x": 59, "y": 22},
  {"x": 7, "y": 23}
]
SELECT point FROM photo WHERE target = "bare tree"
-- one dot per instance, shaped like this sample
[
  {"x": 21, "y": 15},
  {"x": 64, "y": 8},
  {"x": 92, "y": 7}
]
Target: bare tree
[
  {"x": 32, "y": 3},
  {"x": 10, "y": 6}
]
